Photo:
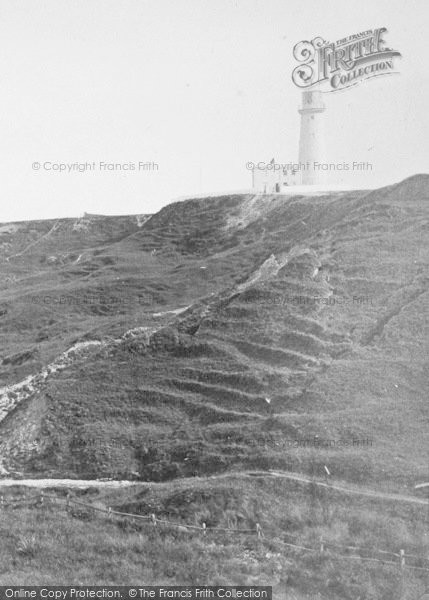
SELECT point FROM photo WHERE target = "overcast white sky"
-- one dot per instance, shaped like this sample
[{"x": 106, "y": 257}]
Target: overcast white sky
[{"x": 197, "y": 86}]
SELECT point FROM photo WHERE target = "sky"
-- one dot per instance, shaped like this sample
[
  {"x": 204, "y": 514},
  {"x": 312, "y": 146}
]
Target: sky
[{"x": 192, "y": 90}]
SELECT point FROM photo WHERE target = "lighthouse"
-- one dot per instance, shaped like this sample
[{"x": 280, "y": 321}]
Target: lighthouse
[
  {"x": 310, "y": 170},
  {"x": 312, "y": 138}
]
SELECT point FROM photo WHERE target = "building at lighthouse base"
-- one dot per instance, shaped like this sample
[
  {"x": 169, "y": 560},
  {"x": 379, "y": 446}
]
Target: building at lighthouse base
[{"x": 272, "y": 177}]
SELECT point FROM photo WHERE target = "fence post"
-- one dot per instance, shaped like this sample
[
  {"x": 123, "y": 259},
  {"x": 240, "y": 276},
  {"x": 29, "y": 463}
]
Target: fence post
[
  {"x": 42, "y": 498},
  {"x": 204, "y": 529},
  {"x": 402, "y": 560},
  {"x": 152, "y": 516},
  {"x": 322, "y": 545},
  {"x": 109, "y": 512},
  {"x": 68, "y": 502},
  {"x": 258, "y": 531},
  {"x": 1, "y": 500}
]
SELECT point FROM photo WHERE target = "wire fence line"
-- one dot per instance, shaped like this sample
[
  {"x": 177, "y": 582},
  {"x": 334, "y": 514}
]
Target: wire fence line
[{"x": 324, "y": 548}]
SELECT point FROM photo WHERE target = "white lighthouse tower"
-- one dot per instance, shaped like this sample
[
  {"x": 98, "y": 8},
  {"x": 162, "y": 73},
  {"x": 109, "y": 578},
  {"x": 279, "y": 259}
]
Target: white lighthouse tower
[
  {"x": 312, "y": 138},
  {"x": 273, "y": 177}
]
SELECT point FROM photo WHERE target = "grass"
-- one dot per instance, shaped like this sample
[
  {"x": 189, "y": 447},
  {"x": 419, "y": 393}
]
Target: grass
[
  {"x": 189, "y": 401},
  {"x": 91, "y": 549}
]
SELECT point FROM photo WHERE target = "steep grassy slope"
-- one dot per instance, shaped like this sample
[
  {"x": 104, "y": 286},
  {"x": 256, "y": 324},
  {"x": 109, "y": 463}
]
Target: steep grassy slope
[{"x": 303, "y": 317}]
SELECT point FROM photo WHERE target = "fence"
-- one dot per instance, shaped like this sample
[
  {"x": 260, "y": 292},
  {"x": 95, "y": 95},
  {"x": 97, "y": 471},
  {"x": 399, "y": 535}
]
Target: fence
[{"x": 324, "y": 548}]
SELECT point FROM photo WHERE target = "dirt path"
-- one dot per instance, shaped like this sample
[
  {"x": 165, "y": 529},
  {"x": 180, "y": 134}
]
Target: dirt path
[
  {"x": 347, "y": 490},
  {"x": 84, "y": 483},
  {"x": 67, "y": 483}
]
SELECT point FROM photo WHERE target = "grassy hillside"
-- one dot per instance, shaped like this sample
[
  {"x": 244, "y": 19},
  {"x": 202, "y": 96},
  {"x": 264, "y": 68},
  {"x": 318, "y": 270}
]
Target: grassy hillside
[
  {"x": 225, "y": 335},
  {"x": 315, "y": 303}
]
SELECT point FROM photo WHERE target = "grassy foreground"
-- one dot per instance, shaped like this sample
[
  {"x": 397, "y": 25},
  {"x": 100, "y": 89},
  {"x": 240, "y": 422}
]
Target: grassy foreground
[{"x": 48, "y": 546}]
